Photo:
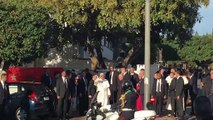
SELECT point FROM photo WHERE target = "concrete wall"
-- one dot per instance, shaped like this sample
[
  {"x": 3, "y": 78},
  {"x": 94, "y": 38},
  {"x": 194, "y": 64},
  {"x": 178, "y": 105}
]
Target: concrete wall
[{"x": 71, "y": 57}]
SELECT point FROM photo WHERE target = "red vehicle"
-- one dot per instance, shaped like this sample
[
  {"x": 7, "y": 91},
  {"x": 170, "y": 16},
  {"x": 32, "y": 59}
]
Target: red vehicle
[
  {"x": 41, "y": 100},
  {"x": 29, "y": 74}
]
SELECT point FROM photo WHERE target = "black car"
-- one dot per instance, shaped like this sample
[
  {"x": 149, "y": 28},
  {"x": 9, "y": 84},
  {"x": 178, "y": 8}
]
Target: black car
[{"x": 29, "y": 100}]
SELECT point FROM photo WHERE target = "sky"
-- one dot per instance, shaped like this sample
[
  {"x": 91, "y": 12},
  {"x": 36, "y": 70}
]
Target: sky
[{"x": 206, "y": 24}]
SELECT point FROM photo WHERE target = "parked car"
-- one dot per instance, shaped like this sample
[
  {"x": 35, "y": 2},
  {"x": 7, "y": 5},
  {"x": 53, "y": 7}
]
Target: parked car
[{"x": 30, "y": 99}]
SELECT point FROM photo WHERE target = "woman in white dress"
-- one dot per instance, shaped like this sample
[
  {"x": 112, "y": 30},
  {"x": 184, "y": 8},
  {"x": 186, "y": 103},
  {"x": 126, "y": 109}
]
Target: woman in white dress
[{"x": 103, "y": 90}]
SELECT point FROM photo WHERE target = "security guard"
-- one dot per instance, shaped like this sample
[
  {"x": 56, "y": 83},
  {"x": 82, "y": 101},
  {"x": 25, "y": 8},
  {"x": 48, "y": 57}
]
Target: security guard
[{"x": 128, "y": 101}]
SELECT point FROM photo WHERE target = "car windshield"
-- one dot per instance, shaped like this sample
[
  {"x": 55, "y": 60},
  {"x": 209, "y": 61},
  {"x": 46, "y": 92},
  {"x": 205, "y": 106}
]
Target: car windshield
[{"x": 37, "y": 88}]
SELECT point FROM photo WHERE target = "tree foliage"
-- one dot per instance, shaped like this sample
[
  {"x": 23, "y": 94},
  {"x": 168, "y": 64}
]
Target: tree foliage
[
  {"x": 87, "y": 22},
  {"x": 121, "y": 21},
  {"x": 24, "y": 32},
  {"x": 199, "y": 49},
  {"x": 170, "y": 49}
]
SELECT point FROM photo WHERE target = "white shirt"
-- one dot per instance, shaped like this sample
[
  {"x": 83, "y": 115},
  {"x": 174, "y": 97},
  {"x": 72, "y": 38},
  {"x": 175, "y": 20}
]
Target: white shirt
[
  {"x": 111, "y": 79},
  {"x": 158, "y": 82},
  {"x": 169, "y": 79},
  {"x": 2, "y": 84},
  {"x": 185, "y": 80},
  {"x": 65, "y": 81}
]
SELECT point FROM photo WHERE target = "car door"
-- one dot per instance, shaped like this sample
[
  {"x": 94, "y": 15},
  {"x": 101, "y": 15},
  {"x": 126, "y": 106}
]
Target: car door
[{"x": 15, "y": 97}]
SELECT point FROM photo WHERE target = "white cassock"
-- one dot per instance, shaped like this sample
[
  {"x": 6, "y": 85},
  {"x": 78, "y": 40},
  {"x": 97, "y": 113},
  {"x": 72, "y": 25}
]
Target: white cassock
[{"x": 104, "y": 92}]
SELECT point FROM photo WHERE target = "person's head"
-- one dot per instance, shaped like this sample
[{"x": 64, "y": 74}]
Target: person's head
[
  {"x": 158, "y": 75},
  {"x": 127, "y": 85},
  {"x": 132, "y": 69},
  {"x": 102, "y": 76},
  {"x": 211, "y": 71},
  {"x": 141, "y": 73},
  {"x": 77, "y": 78},
  {"x": 68, "y": 74},
  {"x": 189, "y": 73},
  {"x": 211, "y": 74},
  {"x": 162, "y": 70},
  {"x": 172, "y": 75},
  {"x": 172, "y": 70},
  {"x": 56, "y": 74},
  {"x": 63, "y": 73},
  {"x": 120, "y": 77},
  {"x": 94, "y": 77},
  {"x": 123, "y": 70},
  {"x": 178, "y": 73},
  {"x": 47, "y": 71},
  {"x": 111, "y": 68},
  {"x": 83, "y": 74},
  {"x": 202, "y": 108},
  {"x": 3, "y": 76}
]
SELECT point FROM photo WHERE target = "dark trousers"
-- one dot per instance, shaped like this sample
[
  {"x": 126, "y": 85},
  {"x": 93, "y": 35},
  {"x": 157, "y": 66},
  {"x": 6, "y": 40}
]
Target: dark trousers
[
  {"x": 113, "y": 97},
  {"x": 62, "y": 106},
  {"x": 2, "y": 111},
  {"x": 83, "y": 104},
  {"x": 186, "y": 95},
  {"x": 177, "y": 106},
  {"x": 211, "y": 100},
  {"x": 127, "y": 115},
  {"x": 159, "y": 104},
  {"x": 193, "y": 97}
]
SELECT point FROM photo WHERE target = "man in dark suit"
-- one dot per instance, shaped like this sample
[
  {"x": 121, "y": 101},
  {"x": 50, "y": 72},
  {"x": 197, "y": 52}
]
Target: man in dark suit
[
  {"x": 133, "y": 76},
  {"x": 192, "y": 87},
  {"x": 141, "y": 82},
  {"x": 46, "y": 79},
  {"x": 83, "y": 96},
  {"x": 4, "y": 95},
  {"x": 208, "y": 87},
  {"x": 92, "y": 87},
  {"x": 119, "y": 87},
  {"x": 176, "y": 93},
  {"x": 112, "y": 77},
  {"x": 159, "y": 92},
  {"x": 125, "y": 73},
  {"x": 63, "y": 95}
]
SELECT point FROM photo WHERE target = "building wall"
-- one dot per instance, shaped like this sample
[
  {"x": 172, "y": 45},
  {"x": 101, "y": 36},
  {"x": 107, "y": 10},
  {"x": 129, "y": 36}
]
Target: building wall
[{"x": 71, "y": 57}]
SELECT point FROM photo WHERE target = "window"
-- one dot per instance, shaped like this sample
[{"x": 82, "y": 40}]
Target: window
[{"x": 13, "y": 89}]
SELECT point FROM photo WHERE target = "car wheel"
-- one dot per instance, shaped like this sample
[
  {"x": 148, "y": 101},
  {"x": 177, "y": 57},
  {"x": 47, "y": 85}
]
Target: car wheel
[{"x": 21, "y": 114}]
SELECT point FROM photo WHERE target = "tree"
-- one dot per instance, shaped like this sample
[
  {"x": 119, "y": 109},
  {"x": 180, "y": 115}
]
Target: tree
[
  {"x": 170, "y": 49},
  {"x": 121, "y": 21},
  {"x": 25, "y": 32},
  {"x": 199, "y": 49}
]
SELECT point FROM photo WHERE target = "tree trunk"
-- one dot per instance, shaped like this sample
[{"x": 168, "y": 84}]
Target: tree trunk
[
  {"x": 132, "y": 54},
  {"x": 102, "y": 64},
  {"x": 2, "y": 65},
  {"x": 128, "y": 57},
  {"x": 93, "y": 58}
]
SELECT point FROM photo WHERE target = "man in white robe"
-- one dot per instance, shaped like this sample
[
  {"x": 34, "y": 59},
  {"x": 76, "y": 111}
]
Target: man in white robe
[{"x": 103, "y": 89}]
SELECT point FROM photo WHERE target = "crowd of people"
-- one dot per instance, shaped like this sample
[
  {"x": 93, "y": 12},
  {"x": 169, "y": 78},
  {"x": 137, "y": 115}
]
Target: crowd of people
[{"x": 172, "y": 90}]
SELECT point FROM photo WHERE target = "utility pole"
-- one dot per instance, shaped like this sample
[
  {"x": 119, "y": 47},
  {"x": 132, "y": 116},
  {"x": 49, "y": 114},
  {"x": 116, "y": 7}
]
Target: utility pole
[{"x": 147, "y": 54}]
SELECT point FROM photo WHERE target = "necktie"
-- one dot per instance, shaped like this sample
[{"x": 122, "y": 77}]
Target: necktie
[
  {"x": 158, "y": 86},
  {"x": 85, "y": 82},
  {"x": 2, "y": 84},
  {"x": 65, "y": 82},
  {"x": 111, "y": 78}
]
